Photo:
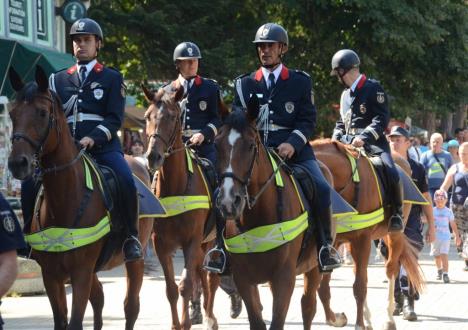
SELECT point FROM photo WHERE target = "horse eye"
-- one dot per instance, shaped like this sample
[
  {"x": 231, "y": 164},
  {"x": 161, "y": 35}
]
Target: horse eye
[{"x": 42, "y": 113}]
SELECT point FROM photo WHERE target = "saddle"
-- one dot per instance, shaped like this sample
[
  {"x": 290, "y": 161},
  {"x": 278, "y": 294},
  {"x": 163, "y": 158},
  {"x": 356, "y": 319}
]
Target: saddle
[{"x": 211, "y": 178}]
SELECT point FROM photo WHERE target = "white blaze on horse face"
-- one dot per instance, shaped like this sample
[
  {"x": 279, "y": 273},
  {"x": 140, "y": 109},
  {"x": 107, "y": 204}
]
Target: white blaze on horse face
[{"x": 229, "y": 182}]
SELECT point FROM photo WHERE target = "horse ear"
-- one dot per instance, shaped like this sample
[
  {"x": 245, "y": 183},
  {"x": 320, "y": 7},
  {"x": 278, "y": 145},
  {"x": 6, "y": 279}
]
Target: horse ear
[
  {"x": 149, "y": 95},
  {"x": 179, "y": 94},
  {"x": 41, "y": 79},
  {"x": 253, "y": 107},
  {"x": 15, "y": 80}
]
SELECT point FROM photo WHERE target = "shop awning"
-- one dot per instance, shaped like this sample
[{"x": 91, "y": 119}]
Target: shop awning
[{"x": 24, "y": 58}]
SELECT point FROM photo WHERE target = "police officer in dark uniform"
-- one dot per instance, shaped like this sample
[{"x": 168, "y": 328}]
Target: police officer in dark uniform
[
  {"x": 11, "y": 239},
  {"x": 287, "y": 121},
  {"x": 200, "y": 113},
  {"x": 94, "y": 102},
  {"x": 364, "y": 118},
  {"x": 405, "y": 296}
]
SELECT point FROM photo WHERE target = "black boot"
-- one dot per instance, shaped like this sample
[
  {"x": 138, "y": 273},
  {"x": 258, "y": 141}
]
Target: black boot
[
  {"x": 328, "y": 256},
  {"x": 408, "y": 309},
  {"x": 398, "y": 303},
  {"x": 396, "y": 220},
  {"x": 132, "y": 249},
  {"x": 215, "y": 259}
]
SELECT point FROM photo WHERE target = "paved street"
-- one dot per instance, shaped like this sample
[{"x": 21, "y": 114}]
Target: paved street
[{"x": 443, "y": 306}]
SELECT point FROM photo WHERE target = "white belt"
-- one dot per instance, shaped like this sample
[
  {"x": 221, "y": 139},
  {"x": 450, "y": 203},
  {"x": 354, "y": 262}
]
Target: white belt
[
  {"x": 274, "y": 127},
  {"x": 354, "y": 131},
  {"x": 85, "y": 116},
  {"x": 190, "y": 132}
]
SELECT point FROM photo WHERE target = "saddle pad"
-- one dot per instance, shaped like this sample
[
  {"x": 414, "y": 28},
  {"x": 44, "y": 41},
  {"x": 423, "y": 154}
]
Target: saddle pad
[
  {"x": 411, "y": 193},
  {"x": 149, "y": 205}
]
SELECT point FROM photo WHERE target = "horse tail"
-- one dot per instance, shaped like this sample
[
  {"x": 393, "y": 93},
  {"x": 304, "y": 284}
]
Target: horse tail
[{"x": 409, "y": 260}]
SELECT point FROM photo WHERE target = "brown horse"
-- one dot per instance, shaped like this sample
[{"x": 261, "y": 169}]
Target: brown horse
[
  {"x": 41, "y": 138},
  {"x": 178, "y": 185},
  {"x": 252, "y": 202},
  {"x": 334, "y": 155}
]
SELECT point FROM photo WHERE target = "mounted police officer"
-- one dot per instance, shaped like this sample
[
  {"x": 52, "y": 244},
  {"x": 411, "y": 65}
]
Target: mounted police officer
[
  {"x": 94, "y": 102},
  {"x": 287, "y": 121},
  {"x": 200, "y": 113},
  {"x": 364, "y": 118}
]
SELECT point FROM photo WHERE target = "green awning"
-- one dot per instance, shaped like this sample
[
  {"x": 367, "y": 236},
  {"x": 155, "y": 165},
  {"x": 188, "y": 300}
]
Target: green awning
[{"x": 24, "y": 58}]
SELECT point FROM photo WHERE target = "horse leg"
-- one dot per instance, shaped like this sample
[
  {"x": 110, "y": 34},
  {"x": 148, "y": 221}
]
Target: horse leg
[
  {"x": 165, "y": 258},
  {"x": 367, "y": 316},
  {"x": 333, "y": 319},
  {"x": 96, "y": 298},
  {"x": 208, "y": 300},
  {"x": 58, "y": 300},
  {"x": 195, "y": 302},
  {"x": 251, "y": 297},
  {"x": 193, "y": 260},
  {"x": 282, "y": 287},
  {"x": 81, "y": 282},
  {"x": 360, "y": 250},
  {"x": 134, "y": 270},
  {"x": 309, "y": 298}
]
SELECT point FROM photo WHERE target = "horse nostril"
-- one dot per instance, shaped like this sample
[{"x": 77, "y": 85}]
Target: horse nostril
[
  {"x": 237, "y": 200},
  {"x": 23, "y": 162}
]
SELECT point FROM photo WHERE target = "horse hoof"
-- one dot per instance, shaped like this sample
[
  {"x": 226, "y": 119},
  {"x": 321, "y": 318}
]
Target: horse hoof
[
  {"x": 389, "y": 325},
  {"x": 340, "y": 320},
  {"x": 211, "y": 323}
]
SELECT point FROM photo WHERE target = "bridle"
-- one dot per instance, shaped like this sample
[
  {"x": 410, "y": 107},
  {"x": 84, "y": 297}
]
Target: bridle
[
  {"x": 39, "y": 146},
  {"x": 252, "y": 200}
]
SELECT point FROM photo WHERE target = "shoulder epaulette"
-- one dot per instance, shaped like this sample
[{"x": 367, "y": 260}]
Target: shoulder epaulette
[
  {"x": 242, "y": 76},
  {"x": 303, "y": 73}
]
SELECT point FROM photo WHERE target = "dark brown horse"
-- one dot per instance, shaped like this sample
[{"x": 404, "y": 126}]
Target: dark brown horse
[
  {"x": 263, "y": 247},
  {"x": 180, "y": 184},
  {"x": 334, "y": 155},
  {"x": 41, "y": 138}
]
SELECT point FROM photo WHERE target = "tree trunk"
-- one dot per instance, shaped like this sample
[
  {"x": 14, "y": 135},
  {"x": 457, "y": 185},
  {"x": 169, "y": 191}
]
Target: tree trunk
[
  {"x": 429, "y": 122},
  {"x": 459, "y": 117},
  {"x": 446, "y": 126}
]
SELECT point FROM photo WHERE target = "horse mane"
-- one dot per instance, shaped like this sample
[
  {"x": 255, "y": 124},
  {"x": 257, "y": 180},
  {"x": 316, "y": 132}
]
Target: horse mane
[
  {"x": 237, "y": 120},
  {"x": 341, "y": 147}
]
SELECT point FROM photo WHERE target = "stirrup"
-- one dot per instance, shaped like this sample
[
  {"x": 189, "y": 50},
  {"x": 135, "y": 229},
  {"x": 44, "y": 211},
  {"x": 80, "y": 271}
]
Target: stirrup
[
  {"x": 208, "y": 264},
  {"x": 332, "y": 251}
]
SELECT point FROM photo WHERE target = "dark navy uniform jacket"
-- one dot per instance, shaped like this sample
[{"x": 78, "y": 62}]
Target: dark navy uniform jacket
[
  {"x": 11, "y": 235},
  {"x": 201, "y": 113},
  {"x": 291, "y": 113},
  {"x": 100, "y": 104},
  {"x": 414, "y": 226},
  {"x": 368, "y": 118}
]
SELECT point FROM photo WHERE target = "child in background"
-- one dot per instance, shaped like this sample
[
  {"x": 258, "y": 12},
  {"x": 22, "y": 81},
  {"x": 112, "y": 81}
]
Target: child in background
[{"x": 443, "y": 217}]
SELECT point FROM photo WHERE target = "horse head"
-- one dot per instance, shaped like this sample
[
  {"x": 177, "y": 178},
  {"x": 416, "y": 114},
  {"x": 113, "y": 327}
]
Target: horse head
[
  {"x": 33, "y": 114},
  {"x": 237, "y": 144},
  {"x": 163, "y": 126}
]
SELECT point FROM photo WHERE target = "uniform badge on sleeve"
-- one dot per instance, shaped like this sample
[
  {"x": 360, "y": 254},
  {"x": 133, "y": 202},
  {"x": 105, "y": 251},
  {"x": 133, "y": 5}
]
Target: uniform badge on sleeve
[
  {"x": 8, "y": 223},
  {"x": 98, "y": 93},
  {"x": 289, "y": 106},
  {"x": 123, "y": 89},
  {"x": 362, "y": 108},
  {"x": 95, "y": 84},
  {"x": 380, "y": 97},
  {"x": 202, "y": 105}
]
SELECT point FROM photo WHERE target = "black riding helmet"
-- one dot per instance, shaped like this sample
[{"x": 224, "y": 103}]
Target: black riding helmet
[
  {"x": 185, "y": 51},
  {"x": 86, "y": 26},
  {"x": 344, "y": 60},
  {"x": 271, "y": 32}
]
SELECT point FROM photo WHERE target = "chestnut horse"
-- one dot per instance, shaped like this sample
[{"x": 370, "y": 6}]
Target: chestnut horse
[
  {"x": 263, "y": 244},
  {"x": 180, "y": 182},
  {"x": 41, "y": 138},
  {"x": 334, "y": 155}
]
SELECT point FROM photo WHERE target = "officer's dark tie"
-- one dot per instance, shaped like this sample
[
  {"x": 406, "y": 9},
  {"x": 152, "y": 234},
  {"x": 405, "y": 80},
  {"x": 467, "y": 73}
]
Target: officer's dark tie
[
  {"x": 271, "y": 80},
  {"x": 82, "y": 73},
  {"x": 352, "y": 93}
]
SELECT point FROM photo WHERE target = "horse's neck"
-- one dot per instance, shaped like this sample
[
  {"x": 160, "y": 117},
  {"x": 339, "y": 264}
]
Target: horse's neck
[{"x": 173, "y": 175}]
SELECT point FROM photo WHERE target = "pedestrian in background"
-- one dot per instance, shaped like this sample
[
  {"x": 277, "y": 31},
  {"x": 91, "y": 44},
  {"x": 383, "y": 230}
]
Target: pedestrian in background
[
  {"x": 436, "y": 162},
  {"x": 443, "y": 218},
  {"x": 452, "y": 148},
  {"x": 457, "y": 178}
]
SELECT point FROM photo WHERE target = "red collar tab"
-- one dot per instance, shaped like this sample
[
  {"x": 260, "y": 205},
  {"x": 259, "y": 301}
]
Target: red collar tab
[
  {"x": 198, "y": 80},
  {"x": 98, "y": 67},
  {"x": 284, "y": 73},
  {"x": 361, "y": 81},
  {"x": 258, "y": 75},
  {"x": 72, "y": 69}
]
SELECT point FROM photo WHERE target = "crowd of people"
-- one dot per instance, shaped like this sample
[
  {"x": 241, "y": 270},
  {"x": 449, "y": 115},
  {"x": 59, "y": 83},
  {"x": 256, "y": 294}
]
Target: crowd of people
[{"x": 288, "y": 125}]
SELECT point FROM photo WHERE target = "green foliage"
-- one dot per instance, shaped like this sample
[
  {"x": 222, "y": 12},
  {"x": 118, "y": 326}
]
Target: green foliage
[{"x": 417, "y": 49}]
